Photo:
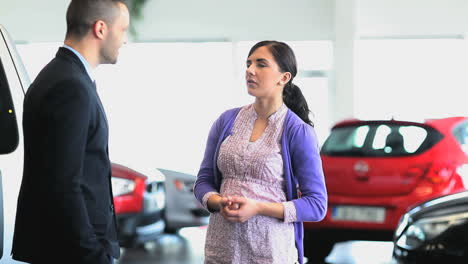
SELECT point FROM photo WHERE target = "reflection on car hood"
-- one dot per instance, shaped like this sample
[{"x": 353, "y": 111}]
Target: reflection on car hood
[
  {"x": 177, "y": 175},
  {"x": 445, "y": 205},
  {"x": 152, "y": 174}
]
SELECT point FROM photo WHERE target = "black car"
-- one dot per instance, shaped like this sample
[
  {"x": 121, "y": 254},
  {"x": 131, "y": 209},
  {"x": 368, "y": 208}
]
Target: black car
[{"x": 435, "y": 231}]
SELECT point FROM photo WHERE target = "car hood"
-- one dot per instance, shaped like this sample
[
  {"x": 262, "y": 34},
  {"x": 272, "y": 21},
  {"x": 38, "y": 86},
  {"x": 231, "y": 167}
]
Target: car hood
[
  {"x": 442, "y": 206},
  {"x": 177, "y": 175},
  {"x": 152, "y": 175}
]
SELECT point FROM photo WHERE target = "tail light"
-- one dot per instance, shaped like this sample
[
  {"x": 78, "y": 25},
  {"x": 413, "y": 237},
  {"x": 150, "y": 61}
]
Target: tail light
[
  {"x": 440, "y": 172},
  {"x": 128, "y": 193},
  {"x": 121, "y": 186},
  {"x": 434, "y": 172},
  {"x": 434, "y": 177},
  {"x": 186, "y": 186},
  {"x": 124, "y": 186},
  {"x": 416, "y": 171}
]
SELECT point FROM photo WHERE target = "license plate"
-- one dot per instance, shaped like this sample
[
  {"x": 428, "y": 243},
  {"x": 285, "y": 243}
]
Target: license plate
[{"x": 359, "y": 213}]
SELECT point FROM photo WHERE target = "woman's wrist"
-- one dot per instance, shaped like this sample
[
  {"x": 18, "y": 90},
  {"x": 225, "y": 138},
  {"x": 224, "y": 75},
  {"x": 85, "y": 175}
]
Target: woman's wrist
[
  {"x": 275, "y": 210},
  {"x": 260, "y": 208},
  {"x": 214, "y": 203}
]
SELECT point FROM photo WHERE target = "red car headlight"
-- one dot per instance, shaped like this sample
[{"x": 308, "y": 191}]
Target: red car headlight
[{"x": 122, "y": 186}]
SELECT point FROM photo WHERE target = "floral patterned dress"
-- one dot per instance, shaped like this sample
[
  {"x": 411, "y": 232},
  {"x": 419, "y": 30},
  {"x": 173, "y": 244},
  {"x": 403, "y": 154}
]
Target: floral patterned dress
[{"x": 253, "y": 170}]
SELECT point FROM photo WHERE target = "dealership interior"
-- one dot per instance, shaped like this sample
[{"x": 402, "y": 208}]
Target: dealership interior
[{"x": 366, "y": 67}]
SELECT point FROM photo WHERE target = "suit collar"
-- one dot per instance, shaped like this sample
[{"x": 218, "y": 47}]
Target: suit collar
[
  {"x": 67, "y": 54},
  {"x": 83, "y": 61}
]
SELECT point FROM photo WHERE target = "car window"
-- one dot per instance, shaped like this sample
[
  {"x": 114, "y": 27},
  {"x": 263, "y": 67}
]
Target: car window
[
  {"x": 381, "y": 135},
  {"x": 461, "y": 134},
  {"x": 347, "y": 139},
  {"x": 380, "y": 139},
  {"x": 414, "y": 136},
  {"x": 8, "y": 127}
]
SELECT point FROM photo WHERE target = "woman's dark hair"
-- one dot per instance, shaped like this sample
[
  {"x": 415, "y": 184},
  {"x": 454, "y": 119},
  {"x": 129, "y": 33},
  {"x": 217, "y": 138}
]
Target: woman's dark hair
[{"x": 292, "y": 95}]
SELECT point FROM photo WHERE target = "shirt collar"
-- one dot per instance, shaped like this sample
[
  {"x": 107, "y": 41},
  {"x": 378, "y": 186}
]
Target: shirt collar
[
  {"x": 273, "y": 117},
  {"x": 85, "y": 63}
]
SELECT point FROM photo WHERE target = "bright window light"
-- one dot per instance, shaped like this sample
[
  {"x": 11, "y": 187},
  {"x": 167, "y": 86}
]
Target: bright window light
[
  {"x": 162, "y": 98},
  {"x": 411, "y": 79}
]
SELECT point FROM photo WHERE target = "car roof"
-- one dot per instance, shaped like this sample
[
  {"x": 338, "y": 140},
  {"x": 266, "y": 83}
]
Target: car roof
[
  {"x": 441, "y": 124},
  {"x": 446, "y": 124}
]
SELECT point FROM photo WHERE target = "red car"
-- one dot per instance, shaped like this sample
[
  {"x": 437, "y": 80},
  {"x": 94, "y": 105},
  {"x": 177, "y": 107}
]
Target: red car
[
  {"x": 139, "y": 202},
  {"x": 375, "y": 170}
]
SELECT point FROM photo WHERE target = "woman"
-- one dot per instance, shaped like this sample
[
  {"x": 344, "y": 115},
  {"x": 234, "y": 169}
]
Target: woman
[{"x": 261, "y": 175}]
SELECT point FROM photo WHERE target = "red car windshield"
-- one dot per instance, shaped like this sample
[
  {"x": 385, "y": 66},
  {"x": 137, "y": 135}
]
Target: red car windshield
[{"x": 380, "y": 139}]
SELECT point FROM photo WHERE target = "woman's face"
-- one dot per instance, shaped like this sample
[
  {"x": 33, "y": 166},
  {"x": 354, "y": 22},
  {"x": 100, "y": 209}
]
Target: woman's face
[{"x": 263, "y": 75}]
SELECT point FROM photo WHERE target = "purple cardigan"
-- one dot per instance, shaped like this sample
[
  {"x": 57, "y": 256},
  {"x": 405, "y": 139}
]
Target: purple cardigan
[{"x": 302, "y": 167}]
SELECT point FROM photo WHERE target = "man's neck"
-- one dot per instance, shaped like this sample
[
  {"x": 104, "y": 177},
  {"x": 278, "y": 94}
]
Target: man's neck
[{"x": 83, "y": 48}]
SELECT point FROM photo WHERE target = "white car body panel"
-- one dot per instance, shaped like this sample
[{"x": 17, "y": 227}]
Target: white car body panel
[{"x": 11, "y": 165}]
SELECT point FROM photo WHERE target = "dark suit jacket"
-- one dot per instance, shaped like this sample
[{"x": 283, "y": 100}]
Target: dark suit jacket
[{"x": 65, "y": 205}]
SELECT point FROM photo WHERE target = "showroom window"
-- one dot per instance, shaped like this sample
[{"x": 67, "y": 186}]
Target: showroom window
[
  {"x": 165, "y": 96},
  {"x": 411, "y": 79}
]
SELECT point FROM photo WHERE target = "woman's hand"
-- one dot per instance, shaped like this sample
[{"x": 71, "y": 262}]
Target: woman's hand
[
  {"x": 225, "y": 202},
  {"x": 217, "y": 202},
  {"x": 239, "y": 209}
]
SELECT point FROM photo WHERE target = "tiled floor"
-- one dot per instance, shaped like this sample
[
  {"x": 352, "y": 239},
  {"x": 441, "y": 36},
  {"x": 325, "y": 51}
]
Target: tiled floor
[{"x": 188, "y": 249}]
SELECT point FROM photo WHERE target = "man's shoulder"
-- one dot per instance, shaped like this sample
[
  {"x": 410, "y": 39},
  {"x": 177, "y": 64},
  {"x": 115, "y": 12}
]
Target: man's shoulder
[
  {"x": 57, "y": 78},
  {"x": 60, "y": 70},
  {"x": 60, "y": 66}
]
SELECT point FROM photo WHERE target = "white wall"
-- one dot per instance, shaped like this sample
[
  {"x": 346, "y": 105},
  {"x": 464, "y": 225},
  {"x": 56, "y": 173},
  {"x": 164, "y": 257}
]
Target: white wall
[
  {"x": 37, "y": 21},
  {"x": 238, "y": 20},
  {"x": 412, "y": 17},
  {"x": 34, "y": 21}
]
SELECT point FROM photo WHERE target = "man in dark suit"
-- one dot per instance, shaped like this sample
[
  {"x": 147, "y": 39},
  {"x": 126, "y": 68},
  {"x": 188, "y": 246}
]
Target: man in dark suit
[{"x": 65, "y": 208}]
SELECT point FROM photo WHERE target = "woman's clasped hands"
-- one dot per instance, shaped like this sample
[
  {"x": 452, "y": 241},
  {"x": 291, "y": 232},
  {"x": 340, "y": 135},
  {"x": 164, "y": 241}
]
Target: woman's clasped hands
[{"x": 238, "y": 209}]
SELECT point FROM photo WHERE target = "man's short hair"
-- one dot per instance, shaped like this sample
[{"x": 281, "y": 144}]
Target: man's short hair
[{"x": 82, "y": 14}]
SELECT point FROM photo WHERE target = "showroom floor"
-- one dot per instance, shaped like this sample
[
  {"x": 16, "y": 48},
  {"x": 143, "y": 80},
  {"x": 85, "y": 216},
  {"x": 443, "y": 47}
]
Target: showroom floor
[{"x": 188, "y": 249}]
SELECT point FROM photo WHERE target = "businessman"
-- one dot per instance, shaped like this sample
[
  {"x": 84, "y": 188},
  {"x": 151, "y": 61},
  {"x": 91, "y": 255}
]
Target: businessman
[{"x": 65, "y": 210}]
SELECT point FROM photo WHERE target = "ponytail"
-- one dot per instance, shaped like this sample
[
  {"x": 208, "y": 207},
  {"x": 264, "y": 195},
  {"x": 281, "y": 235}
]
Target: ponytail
[{"x": 294, "y": 100}]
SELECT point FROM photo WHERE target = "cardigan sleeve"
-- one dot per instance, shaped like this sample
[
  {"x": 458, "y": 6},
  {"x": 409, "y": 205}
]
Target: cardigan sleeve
[
  {"x": 205, "y": 182},
  {"x": 307, "y": 169}
]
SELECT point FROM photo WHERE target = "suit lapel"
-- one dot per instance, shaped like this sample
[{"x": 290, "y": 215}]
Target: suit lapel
[
  {"x": 101, "y": 108},
  {"x": 67, "y": 54}
]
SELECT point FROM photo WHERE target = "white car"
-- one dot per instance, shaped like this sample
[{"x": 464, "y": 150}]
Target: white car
[
  {"x": 182, "y": 209},
  {"x": 13, "y": 83}
]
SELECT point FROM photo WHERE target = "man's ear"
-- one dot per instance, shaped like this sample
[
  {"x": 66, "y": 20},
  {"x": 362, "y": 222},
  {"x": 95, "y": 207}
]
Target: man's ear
[{"x": 100, "y": 29}]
